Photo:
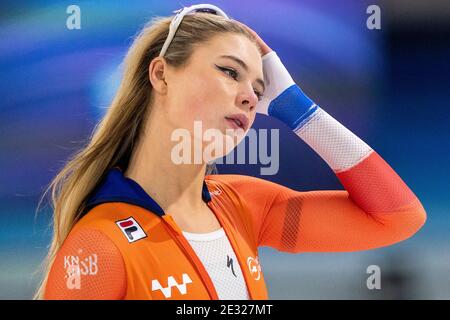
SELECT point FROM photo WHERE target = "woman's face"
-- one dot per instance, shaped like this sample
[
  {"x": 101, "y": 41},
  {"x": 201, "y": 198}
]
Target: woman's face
[{"x": 217, "y": 90}]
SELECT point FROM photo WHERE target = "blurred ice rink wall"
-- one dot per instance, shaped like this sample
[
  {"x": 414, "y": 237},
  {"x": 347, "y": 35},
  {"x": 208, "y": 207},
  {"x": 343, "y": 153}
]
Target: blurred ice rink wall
[{"x": 389, "y": 86}]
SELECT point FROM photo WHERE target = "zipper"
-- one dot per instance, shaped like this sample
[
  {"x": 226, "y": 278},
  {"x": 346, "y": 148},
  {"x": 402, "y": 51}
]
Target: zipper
[{"x": 204, "y": 276}]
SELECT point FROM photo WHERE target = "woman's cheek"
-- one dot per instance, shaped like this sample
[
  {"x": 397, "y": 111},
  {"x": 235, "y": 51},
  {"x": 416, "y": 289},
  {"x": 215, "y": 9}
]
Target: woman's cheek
[{"x": 205, "y": 108}]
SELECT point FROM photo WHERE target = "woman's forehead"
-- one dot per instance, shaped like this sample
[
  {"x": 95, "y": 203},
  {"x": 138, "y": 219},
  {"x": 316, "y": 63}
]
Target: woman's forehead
[
  {"x": 235, "y": 45},
  {"x": 230, "y": 43}
]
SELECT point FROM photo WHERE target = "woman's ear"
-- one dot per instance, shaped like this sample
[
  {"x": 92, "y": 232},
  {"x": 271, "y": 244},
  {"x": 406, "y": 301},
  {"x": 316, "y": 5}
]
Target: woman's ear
[{"x": 157, "y": 72}]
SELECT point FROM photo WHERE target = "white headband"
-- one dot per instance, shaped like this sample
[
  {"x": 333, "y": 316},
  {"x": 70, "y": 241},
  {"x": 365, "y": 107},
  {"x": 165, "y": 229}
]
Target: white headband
[{"x": 209, "y": 8}]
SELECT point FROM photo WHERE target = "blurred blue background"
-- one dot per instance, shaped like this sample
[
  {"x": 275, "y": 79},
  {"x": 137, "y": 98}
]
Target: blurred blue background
[{"x": 389, "y": 86}]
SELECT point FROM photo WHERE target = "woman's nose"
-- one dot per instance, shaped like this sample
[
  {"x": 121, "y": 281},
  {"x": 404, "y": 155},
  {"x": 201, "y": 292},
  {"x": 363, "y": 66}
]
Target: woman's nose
[{"x": 248, "y": 99}]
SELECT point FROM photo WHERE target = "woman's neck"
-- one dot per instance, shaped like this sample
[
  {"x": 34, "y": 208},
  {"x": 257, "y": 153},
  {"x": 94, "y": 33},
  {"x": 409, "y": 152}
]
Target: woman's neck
[{"x": 174, "y": 187}]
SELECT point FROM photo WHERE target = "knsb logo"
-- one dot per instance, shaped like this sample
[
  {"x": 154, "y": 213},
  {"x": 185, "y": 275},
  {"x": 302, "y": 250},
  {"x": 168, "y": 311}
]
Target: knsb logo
[
  {"x": 171, "y": 282},
  {"x": 131, "y": 229},
  {"x": 77, "y": 266},
  {"x": 254, "y": 267}
]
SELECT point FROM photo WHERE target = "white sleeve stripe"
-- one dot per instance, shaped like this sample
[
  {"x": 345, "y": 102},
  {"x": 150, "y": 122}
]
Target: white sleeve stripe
[
  {"x": 276, "y": 79},
  {"x": 364, "y": 157},
  {"x": 339, "y": 147}
]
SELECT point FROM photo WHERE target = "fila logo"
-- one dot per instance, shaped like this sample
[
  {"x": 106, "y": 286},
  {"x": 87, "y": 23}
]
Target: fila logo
[
  {"x": 171, "y": 282},
  {"x": 254, "y": 267},
  {"x": 131, "y": 229}
]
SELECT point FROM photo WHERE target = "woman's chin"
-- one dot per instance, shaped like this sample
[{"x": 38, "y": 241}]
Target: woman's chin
[{"x": 220, "y": 147}]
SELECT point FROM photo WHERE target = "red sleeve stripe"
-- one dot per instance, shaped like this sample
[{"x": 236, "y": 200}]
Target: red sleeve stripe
[{"x": 374, "y": 186}]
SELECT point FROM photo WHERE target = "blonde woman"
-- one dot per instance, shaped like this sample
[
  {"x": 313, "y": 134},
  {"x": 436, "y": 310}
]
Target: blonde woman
[{"x": 132, "y": 223}]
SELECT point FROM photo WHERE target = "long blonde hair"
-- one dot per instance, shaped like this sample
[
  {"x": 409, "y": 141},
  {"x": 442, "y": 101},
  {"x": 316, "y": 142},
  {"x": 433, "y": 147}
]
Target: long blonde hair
[{"x": 113, "y": 138}]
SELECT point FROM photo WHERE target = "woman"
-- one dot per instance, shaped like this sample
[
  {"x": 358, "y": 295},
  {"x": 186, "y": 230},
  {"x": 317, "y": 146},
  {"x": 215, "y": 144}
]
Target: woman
[{"x": 131, "y": 223}]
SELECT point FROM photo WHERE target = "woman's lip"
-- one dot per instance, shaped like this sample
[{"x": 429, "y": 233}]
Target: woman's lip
[
  {"x": 233, "y": 123},
  {"x": 242, "y": 118}
]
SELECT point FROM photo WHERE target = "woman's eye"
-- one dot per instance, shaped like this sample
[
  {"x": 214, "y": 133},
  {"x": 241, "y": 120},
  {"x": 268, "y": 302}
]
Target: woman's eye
[
  {"x": 232, "y": 73},
  {"x": 259, "y": 95}
]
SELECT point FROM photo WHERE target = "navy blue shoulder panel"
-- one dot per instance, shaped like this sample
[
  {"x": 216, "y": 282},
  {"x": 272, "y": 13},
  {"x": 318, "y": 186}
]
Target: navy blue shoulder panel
[{"x": 115, "y": 187}]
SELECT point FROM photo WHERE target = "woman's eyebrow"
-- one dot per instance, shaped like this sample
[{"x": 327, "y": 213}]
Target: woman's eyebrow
[{"x": 244, "y": 65}]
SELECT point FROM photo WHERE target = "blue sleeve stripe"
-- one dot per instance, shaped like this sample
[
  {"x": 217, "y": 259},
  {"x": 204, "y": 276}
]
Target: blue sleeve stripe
[
  {"x": 292, "y": 107},
  {"x": 305, "y": 118}
]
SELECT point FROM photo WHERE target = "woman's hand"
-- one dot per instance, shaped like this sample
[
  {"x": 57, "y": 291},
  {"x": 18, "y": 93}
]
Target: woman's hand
[{"x": 262, "y": 45}]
